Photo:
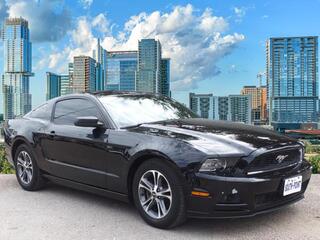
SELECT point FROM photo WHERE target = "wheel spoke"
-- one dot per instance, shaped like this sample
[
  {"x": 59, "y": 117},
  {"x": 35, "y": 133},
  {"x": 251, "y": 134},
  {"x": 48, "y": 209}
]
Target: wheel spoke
[
  {"x": 165, "y": 193},
  {"x": 155, "y": 179},
  {"x": 146, "y": 201},
  {"x": 29, "y": 175},
  {"x": 162, "y": 207},
  {"x": 159, "y": 209},
  {"x": 22, "y": 172},
  {"x": 20, "y": 161},
  {"x": 149, "y": 205},
  {"x": 144, "y": 183}
]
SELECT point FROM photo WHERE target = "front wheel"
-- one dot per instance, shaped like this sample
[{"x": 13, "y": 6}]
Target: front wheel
[
  {"x": 158, "y": 194},
  {"x": 27, "y": 171}
]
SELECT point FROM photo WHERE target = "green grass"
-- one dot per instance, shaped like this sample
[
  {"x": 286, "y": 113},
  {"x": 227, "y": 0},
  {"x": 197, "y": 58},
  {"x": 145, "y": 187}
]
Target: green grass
[
  {"x": 313, "y": 156},
  {"x": 315, "y": 162},
  {"x": 5, "y": 166}
]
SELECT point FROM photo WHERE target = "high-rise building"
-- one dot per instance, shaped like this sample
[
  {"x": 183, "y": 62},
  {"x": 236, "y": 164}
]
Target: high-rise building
[
  {"x": 17, "y": 67},
  {"x": 65, "y": 84},
  {"x": 258, "y": 102},
  {"x": 70, "y": 73},
  {"x": 240, "y": 108},
  {"x": 84, "y": 74},
  {"x": 292, "y": 81},
  {"x": 202, "y": 104},
  {"x": 121, "y": 70},
  {"x": 165, "y": 77},
  {"x": 223, "y": 108},
  {"x": 149, "y": 66},
  {"x": 53, "y": 85},
  {"x": 236, "y": 108},
  {"x": 100, "y": 55},
  {"x": 57, "y": 85}
]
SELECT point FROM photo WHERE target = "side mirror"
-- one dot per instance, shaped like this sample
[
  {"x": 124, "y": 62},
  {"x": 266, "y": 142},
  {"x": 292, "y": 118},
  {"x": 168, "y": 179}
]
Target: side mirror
[{"x": 88, "y": 122}]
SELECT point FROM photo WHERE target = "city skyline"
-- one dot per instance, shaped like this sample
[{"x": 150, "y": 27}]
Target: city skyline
[
  {"x": 225, "y": 73},
  {"x": 143, "y": 70}
]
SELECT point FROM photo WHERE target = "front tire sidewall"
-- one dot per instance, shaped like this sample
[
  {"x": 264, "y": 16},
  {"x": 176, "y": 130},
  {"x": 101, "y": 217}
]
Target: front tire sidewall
[{"x": 178, "y": 202}]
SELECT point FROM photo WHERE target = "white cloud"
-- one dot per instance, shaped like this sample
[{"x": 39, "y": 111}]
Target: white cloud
[
  {"x": 86, "y": 3},
  {"x": 101, "y": 23},
  {"x": 239, "y": 12},
  {"x": 195, "y": 41},
  {"x": 49, "y": 20}
]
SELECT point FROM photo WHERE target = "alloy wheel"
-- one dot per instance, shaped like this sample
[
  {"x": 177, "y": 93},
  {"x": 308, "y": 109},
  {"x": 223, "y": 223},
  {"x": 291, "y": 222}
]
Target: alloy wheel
[
  {"x": 155, "y": 194},
  {"x": 24, "y": 167}
]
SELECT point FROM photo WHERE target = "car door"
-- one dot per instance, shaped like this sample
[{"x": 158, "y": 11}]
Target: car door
[{"x": 77, "y": 153}]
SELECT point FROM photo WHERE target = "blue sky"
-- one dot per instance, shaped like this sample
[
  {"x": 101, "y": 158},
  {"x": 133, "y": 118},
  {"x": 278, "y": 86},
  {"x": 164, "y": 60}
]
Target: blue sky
[{"x": 216, "y": 46}]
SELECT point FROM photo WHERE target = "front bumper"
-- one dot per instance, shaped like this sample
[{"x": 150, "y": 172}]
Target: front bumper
[{"x": 233, "y": 197}]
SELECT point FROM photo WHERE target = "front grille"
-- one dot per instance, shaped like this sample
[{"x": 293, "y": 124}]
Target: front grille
[
  {"x": 274, "y": 197},
  {"x": 276, "y": 160}
]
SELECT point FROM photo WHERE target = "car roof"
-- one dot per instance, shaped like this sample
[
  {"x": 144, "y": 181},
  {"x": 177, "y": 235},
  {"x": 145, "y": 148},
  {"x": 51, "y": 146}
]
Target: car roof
[
  {"x": 103, "y": 93},
  {"x": 113, "y": 92}
]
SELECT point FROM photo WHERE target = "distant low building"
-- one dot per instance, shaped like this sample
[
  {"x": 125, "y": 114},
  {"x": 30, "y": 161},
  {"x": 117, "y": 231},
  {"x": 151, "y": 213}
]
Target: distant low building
[
  {"x": 258, "y": 102},
  {"x": 240, "y": 108},
  {"x": 235, "y": 108}
]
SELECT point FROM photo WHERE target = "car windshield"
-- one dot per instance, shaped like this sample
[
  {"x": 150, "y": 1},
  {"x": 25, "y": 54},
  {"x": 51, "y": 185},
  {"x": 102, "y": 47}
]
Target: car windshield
[{"x": 133, "y": 109}]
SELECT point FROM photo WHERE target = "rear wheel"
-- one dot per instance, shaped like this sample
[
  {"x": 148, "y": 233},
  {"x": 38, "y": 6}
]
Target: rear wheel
[
  {"x": 158, "y": 194},
  {"x": 27, "y": 171}
]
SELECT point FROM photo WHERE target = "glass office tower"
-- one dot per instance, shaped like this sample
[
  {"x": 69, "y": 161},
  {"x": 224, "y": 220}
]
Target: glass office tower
[
  {"x": 53, "y": 85},
  {"x": 57, "y": 85},
  {"x": 292, "y": 81},
  {"x": 121, "y": 70},
  {"x": 17, "y": 68},
  {"x": 100, "y": 55},
  {"x": 165, "y": 77},
  {"x": 149, "y": 61}
]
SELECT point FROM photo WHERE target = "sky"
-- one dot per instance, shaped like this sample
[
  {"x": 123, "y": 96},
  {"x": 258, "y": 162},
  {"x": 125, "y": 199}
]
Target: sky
[{"x": 215, "y": 46}]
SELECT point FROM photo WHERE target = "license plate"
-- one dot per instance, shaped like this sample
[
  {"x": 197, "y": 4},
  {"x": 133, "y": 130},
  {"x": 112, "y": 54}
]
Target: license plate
[{"x": 292, "y": 185}]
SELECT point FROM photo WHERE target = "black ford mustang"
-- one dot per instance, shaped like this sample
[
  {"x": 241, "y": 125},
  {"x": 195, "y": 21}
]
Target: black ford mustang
[{"x": 154, "y": 152}]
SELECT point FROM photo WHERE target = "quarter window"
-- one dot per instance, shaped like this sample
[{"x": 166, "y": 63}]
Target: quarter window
[
  {"x": 41, "y": 112},
  {"x": 67, "y": 111}
]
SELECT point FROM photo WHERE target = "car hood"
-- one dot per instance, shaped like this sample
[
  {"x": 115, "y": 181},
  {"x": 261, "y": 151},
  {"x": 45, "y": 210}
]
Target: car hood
[{"x": 218, "y": 137}]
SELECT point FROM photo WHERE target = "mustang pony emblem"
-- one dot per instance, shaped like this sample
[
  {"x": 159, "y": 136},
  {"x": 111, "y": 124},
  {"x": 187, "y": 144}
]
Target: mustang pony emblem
[{"x": 280, "y": 158}]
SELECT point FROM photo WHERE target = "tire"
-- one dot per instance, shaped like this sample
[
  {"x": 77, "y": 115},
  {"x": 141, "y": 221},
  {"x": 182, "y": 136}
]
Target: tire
[
  {"x": 30, "y": 179},
  {"x": 171, "y": 213}
]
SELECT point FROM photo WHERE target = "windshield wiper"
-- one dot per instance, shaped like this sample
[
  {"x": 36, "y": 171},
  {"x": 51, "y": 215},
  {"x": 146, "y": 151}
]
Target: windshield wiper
[{"x": 155, "y": 122}]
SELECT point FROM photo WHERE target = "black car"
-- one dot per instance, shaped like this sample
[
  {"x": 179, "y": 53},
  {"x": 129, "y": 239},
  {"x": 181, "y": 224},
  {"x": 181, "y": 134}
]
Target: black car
[{"x": 154, "y": 152}]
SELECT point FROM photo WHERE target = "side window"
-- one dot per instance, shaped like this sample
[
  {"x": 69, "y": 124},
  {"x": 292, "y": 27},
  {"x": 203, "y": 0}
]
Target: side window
[
  {"x": 67, "y": 111},
  {"x": 42, "y": 112}
]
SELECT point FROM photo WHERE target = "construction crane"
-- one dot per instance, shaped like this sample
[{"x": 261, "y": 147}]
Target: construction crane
[{"x": 259, "y": 77}]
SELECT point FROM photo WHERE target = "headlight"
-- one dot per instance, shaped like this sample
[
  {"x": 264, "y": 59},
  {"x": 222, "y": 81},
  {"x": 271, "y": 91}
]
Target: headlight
[{"x": 213, "y": 165}]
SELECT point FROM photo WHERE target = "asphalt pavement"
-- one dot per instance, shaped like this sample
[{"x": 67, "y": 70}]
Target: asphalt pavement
[{"x": 62, "y": 213}]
